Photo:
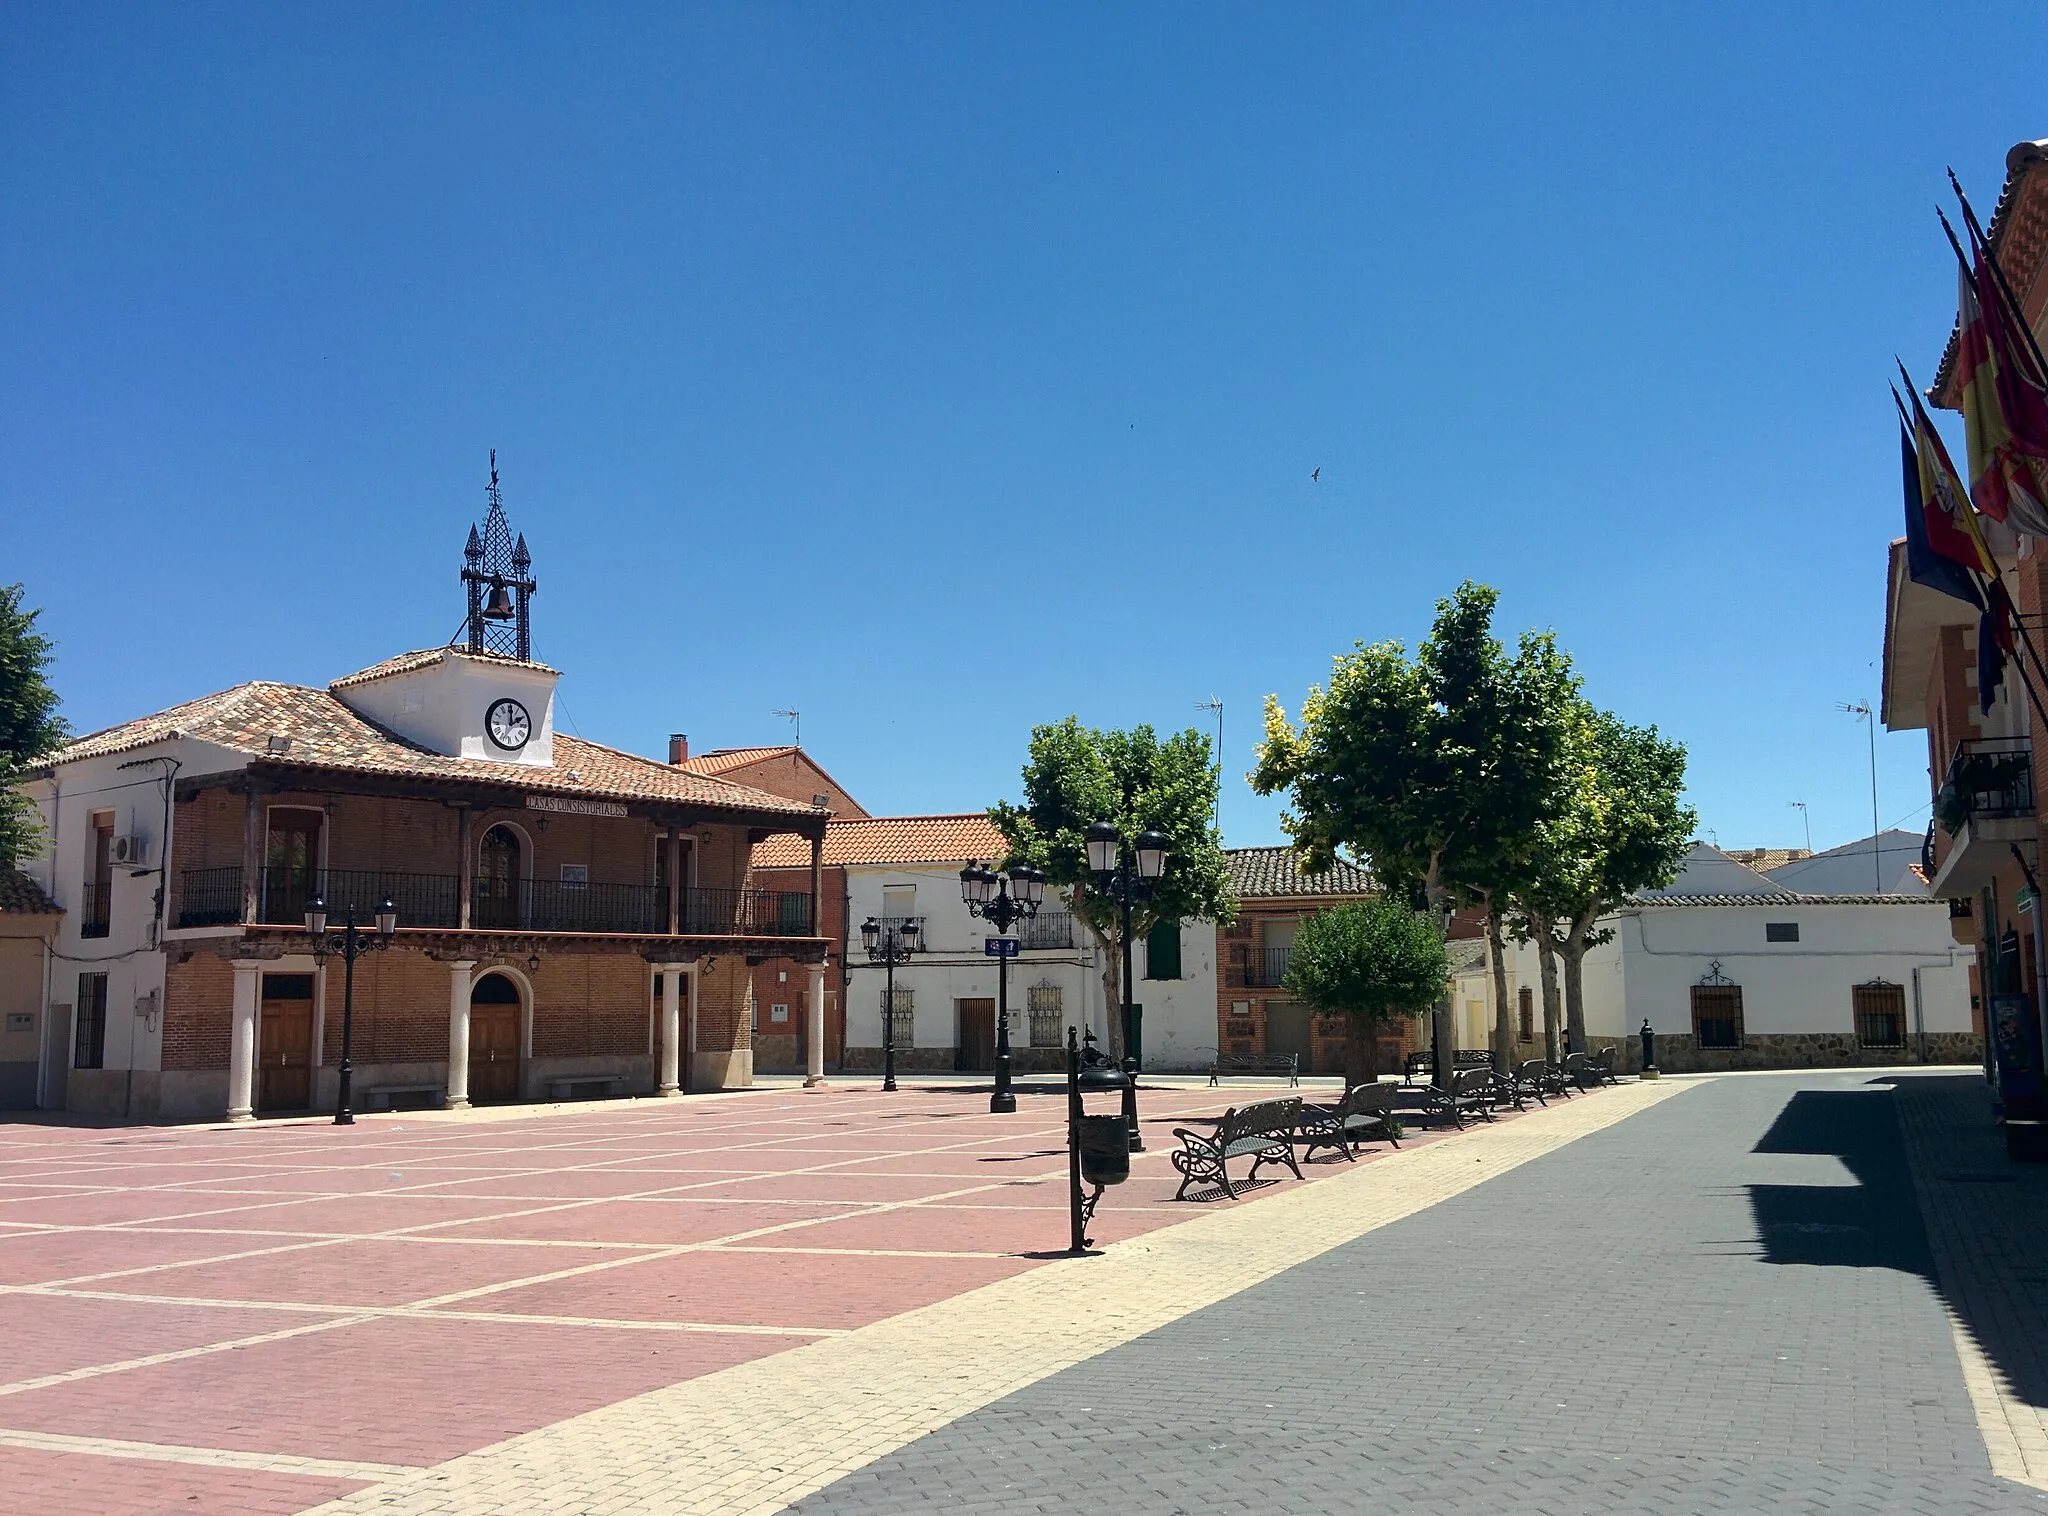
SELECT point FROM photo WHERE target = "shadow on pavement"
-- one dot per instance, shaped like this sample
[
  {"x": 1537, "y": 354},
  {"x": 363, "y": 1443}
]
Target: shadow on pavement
[{"x": 1989, "y": 1214}]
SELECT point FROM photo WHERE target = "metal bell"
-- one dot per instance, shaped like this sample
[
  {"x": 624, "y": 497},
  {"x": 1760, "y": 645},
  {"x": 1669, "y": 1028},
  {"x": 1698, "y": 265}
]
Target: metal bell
[{"x": 499, "y": 606}]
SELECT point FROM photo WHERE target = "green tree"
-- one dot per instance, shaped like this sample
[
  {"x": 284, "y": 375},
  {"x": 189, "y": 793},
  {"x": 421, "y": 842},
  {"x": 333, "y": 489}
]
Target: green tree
[
  {"x": 29, "y": 724},
  {"x": 1438, "y": 771},
  {"x": 1625, "y": 827},
  {"x": 1077, "y": 775},
  {"x": 1370, "y": 961}
]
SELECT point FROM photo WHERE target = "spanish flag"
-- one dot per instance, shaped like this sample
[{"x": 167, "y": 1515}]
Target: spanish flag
[{"x": 2005, "y": 411}]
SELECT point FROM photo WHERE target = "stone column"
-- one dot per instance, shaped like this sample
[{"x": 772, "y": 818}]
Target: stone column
[
  {"x": 670, "y": 1080},
  {"x": 814, "y": 1029},
  {"x": 465, "y": 870},
  {"x": 242, "y": 1039},
  {"x": 458, "y": 1034}
]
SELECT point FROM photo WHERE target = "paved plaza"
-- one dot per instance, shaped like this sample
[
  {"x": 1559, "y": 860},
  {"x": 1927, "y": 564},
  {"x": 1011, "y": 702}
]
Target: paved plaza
[{"x": 1767, "y": 1292}]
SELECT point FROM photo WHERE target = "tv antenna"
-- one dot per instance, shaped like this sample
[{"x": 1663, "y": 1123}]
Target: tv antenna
[
  {"x": 1861, "y": 710},
  {"x": 796, "y": 726},
  {"x": 1215, "y": 703},
  {"x": 1800, "y": 806}
]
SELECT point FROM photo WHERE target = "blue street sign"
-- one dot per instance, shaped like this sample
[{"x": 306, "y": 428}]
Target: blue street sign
[{"x": 999, "y": 947}]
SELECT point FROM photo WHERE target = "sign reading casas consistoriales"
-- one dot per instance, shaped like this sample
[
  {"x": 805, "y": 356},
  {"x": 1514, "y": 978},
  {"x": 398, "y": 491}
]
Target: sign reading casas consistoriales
[{"x": 570, "y": 805}]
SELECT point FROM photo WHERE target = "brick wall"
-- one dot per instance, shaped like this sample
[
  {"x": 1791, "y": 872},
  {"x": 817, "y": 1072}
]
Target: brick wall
[{"x": 199, "y": 998}]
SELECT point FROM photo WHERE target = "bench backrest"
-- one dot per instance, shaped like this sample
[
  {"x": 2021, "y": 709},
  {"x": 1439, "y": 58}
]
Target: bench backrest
[
  {"x": 1471, "y": 1081},
  {"x": 1532, "y": 1070},
  {"x": 1370, "y": 1099},
  {"x": 1258, "y": 1117}
]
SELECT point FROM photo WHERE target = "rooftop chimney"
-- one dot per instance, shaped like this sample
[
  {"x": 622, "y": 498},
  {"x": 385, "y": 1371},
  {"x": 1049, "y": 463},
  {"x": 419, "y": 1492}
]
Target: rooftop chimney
[{"x": 678, "y": 747}]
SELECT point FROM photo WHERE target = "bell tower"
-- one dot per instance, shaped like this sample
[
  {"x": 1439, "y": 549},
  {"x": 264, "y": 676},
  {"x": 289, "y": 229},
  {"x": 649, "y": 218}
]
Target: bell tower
[{"x": 498, "y": 583}]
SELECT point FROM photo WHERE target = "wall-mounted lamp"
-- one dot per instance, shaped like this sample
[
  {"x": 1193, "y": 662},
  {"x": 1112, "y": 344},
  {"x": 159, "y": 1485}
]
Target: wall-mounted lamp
[{"x": 533, "y": 964}]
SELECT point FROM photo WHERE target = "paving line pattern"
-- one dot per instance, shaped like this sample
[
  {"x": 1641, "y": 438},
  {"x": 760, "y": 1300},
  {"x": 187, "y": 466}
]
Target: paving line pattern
[
  {"x": 750, "y": 1440},
  {"x": 215, "y": 1458}
]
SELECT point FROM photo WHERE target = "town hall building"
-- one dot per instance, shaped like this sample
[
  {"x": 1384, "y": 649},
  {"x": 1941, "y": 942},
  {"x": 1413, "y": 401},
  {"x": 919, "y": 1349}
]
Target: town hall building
[{"x": 571, "y": 920}]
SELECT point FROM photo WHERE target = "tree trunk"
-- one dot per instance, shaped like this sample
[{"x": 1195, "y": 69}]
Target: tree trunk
[
  {"x": 1574, "y": 954},
  {"x": 1546, "y": 963},
  {"x": 1361, "y": 1049},
  {"x": 1112, "y": 981},
  {"x": 1503, "y": 1028}
]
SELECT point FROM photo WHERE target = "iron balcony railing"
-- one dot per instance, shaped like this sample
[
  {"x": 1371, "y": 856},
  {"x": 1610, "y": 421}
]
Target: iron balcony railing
[
  {"x": 1264, "y": 968},
  {"x": 1989, "y": 778},
  {"x": 93, "y": 915},
  {"x": 1048, "y": 929},
  {"x": 213, "y": 897}
]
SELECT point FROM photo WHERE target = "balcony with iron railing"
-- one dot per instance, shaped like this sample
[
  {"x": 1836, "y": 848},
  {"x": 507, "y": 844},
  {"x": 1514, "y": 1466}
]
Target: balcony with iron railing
[
  {"x": 1048, "y": 929},
  {"x": 94, "y": 918},
  {"x": 1984, "y": 805},
  {"x": 1264, "y": 968},
  {"x": 213, "y": 897}
]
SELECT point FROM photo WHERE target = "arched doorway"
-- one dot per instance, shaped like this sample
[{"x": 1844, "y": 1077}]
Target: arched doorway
[
  {"x": 497, "y": 880},
  {"x": 494, "y": 1008}
]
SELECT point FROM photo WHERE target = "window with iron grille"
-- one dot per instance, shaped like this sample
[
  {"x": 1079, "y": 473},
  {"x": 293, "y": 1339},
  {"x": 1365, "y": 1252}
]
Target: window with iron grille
[
  {"x": 89, "y": 1049},
  {"x": 1781, "y": 931},
  {"x": 1717, "y": 1015},
  {"x": 899, "y": 1016},
  {"x": 1527, "y": 1002},
  {"x": 1044, "y": 1001},
  {"x": 1880, "y": 1014}
]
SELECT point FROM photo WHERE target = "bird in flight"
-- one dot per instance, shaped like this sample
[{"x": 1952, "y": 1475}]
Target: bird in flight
[{"x": 1317, "y": 476}]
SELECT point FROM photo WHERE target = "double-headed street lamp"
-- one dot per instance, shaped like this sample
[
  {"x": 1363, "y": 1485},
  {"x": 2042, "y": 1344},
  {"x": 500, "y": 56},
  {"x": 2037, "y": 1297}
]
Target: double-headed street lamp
[
  {"x": 1002, "y": 901},
  {"x": 890, "y": 943},
  {"x": 1127, "y": 874},
  {"x": 349, "y": 945}
]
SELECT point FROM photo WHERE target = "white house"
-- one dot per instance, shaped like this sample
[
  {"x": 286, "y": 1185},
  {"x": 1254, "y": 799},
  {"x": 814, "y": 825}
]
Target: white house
[
  {"x": 1732, "y": 970},
  {"x": 907, "y": 869}
]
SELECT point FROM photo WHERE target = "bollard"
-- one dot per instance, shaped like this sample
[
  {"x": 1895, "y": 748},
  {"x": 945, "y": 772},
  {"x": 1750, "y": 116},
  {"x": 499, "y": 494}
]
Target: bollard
[{"x": 1649, "y": 1052}]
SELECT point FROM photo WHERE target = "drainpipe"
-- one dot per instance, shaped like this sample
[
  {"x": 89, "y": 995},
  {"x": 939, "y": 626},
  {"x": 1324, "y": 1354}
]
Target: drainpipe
[{"x": 1919, "y": 1019}]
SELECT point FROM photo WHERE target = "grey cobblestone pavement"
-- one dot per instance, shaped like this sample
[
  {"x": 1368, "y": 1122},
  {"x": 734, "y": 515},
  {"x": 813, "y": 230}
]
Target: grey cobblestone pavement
[{"x": 1725, "y": 1303}]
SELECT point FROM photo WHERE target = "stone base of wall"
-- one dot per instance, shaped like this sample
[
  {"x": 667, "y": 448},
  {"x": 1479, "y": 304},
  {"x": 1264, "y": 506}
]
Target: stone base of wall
[
  {"x": 908, "y": 1060},
  {"x": 722, "y": 1071},
  {"x": 1678, "y": 1053},
  {"x": 777, "y": 1053}
]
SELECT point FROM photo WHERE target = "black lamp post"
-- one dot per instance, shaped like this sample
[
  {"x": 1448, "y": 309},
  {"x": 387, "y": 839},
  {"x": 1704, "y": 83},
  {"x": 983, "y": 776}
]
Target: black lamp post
[
  {"x": 1127, "y": 875},
  {"x": 988, "y": 895},
  {"x": 349, "y": 945},
  {"x": 890, "y": 944}
]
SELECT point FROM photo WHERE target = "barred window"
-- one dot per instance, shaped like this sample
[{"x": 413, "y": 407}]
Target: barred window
[
  {"x": 1880, "y": 1014},
  {"x": 1046, "y": 1015},
  {"x": 1717, "y": 1015},
  {"x": 89, "y": 1049},
  {"x": 899, "y": 1017}
]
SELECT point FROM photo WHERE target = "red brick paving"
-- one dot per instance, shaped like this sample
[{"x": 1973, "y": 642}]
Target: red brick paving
[
  {"x": 855, "y": 1183},
  {"x": 78, "y": 1485}
]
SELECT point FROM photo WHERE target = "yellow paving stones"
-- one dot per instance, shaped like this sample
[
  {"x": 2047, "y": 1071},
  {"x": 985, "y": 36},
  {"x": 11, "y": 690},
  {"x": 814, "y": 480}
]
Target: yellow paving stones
[{"x": 749, "y": 1440}]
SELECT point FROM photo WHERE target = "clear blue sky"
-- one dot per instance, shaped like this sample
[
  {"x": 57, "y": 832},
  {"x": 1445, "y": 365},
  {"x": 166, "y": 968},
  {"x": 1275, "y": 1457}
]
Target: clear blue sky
[{"x": 942, "y": 369}]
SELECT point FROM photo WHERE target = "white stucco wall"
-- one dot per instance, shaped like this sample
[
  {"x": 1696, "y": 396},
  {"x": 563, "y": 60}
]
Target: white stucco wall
[{"x": 442, "y": 706}]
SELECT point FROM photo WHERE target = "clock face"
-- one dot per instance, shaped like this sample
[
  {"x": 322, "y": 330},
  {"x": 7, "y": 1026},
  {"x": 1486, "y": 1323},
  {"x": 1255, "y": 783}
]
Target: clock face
[{"x": 508, "y": 725}]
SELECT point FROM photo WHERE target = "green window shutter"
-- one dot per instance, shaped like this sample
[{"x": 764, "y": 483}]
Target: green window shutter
[{"x": 1162, "y": 951}]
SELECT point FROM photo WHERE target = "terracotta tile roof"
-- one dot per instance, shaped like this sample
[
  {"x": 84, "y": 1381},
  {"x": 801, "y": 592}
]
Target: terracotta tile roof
[
  {"x": 724, "y": 760},
  {"x": 426, "y": 657},
  {"x": 1764, "y": 859},
  {"x": 1277, "y": 872},
  {"x": 892, "y": 839},
  {"x": 22, "y": 896},
  {"x": 323, "y": 733}
]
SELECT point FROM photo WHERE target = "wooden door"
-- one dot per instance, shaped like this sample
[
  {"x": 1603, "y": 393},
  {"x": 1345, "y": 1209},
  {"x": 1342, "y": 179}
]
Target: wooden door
[
  {"x": 284, "y": 1044},
  {"x": 977, "y": 1037},
  {"x": 493, "y": 1040},
  {"x": 1287, "y": 1031}
]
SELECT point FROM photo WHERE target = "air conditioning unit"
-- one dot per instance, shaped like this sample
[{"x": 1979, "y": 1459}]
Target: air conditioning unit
[{"x": 129, "y": 852}]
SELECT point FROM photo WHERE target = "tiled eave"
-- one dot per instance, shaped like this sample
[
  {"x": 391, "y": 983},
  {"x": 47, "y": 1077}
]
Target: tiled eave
[{"x": 492, "y": 790}]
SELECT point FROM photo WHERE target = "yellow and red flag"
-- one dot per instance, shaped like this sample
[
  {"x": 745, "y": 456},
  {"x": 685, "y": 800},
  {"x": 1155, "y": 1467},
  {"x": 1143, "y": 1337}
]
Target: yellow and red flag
[
  {"x": 1952, "y": 527},
  {"x": 2005, "y": 408}
]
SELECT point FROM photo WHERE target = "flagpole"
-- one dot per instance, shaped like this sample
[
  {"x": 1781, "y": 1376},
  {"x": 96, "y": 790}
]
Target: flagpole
[{"x": 1979, "y": 240}]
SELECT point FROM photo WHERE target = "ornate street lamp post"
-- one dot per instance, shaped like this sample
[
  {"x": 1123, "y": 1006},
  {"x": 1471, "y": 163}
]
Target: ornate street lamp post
[
  {"x": 990, "y": 896},
  {"x": 348, "y": 945},
  {"x": 1127, "y": 874},
  {"x": 890, "y": 944}
]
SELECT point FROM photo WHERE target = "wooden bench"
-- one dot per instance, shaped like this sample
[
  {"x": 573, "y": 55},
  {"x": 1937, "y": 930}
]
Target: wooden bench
[
  {"x": 608, "y": 1086},
  {"x": 1365, "y": 1114},
  {"x": 418, "y": 1097},
  {"x": 1263, "y": 1131},
  {"x": 1249, "y": 1063},
  {"x": 1471, "y": 1093}
]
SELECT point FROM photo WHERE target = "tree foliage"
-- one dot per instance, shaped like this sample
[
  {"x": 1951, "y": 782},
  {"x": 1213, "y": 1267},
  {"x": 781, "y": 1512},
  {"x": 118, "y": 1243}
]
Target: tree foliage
[
  {"x": 1370, "y": 961},
  {"x": 1077, "y": 775},
  {"x": 30, "y": 727}
]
